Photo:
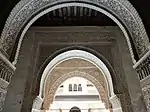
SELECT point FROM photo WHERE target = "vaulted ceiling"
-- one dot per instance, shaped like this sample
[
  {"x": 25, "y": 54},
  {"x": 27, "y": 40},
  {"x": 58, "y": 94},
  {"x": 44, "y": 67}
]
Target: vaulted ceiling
[{"x": 80, "y": 16}]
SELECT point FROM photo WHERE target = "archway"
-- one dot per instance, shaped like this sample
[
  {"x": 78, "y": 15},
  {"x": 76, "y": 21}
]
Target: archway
[
  {"x": 122, "y": 12},
  {"x": 49, "y": 96},
  {"x": 81, "y": 99},
  {"x": 26, "y": 12},
  {"x": 77, "y": 54}
]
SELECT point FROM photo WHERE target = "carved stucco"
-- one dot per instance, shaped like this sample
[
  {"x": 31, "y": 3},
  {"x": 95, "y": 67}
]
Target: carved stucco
[
  {"x": 3, "y": 92},
  {"x": 122, "y": 9},
  {"x": 6, "y": 73},
  {"x": 51, "y": 90},
  {"x": 66, "y": 33},
  {"x": 74, "y": 68},
  {"x": 145, "y": 85}
]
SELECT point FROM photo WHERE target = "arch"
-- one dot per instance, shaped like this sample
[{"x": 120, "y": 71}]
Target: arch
[
  {"x": 120, "y": 11},
  {"x": 76, "y": 54},
  {"x": 79, "y": 54},
  {"x": 53, "y": 88}
]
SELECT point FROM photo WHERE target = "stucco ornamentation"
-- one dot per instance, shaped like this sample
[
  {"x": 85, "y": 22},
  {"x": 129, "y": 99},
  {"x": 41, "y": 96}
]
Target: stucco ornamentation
[
  {"x": 49, "y": 96},
  {"x": 146, "y": 92},
  {"x": 6, "y": 72},
  {"x": 3, "y": 92},
  {"x": 122, "y": 9}
]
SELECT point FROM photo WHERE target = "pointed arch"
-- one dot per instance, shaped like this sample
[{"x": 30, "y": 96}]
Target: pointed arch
[{"x": 78, "y": 54}]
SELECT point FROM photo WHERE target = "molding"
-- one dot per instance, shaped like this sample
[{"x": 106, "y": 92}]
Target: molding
[
  {"x": 122, "y": 9},
  {"x": 104, "y": 37},
  {"x": 145, "y": 82}
]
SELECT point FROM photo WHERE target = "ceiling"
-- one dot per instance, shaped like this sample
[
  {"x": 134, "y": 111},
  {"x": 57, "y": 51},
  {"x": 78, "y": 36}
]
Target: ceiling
[
  {"x": 60, "y": 18},
  {"x": 74, "y": 16}
]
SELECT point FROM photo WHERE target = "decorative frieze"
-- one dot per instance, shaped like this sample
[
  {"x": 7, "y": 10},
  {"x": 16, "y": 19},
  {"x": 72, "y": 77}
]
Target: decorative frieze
[
  {"x": 146, "y": 93},
  {"x": 49, "y": 95},
  {"x": 122, "y": 9}
]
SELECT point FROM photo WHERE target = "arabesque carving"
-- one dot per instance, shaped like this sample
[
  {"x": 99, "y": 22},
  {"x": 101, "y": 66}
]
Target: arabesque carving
[
  {"x": 53, "y": 88},
  {"x": 122, "y": 9}
]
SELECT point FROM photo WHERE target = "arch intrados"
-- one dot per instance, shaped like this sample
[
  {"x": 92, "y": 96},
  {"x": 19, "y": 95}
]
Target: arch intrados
[
  {"x": 85, "y": 4},
  {"x": 72, "y": 54},
  {"x": 100, "y": 69},
  {"x": 94, "y": 81}
]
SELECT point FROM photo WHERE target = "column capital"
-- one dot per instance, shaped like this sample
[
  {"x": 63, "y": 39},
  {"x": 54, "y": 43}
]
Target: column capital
[
  {"x": 37, "y": 103},
  {"x": 115, "y": 103}
]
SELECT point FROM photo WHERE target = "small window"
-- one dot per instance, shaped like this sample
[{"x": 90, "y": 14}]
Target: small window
[
  {"x": 70, "y": 87},
  {"x": 75, "y": 87},
  {"x": 61, "y": 86},
  {"x": 79, "y": 87},
  {"x": 89, "y": 85}
]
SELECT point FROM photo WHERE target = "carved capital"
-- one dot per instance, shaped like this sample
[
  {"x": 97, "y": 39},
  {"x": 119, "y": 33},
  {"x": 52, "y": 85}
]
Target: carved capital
[
  {"x": 115, "y": 103},
  {"x": 37, "y": 103}
]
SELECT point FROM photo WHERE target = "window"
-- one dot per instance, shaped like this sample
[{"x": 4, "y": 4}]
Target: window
[
  {"x": 79, "y": 87},
  {"x": 89, "y": 85},
  {"x": 75, "y": 87},
  {"x": 70, "y": 87},
  {"x": 61, "y": 86}
]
